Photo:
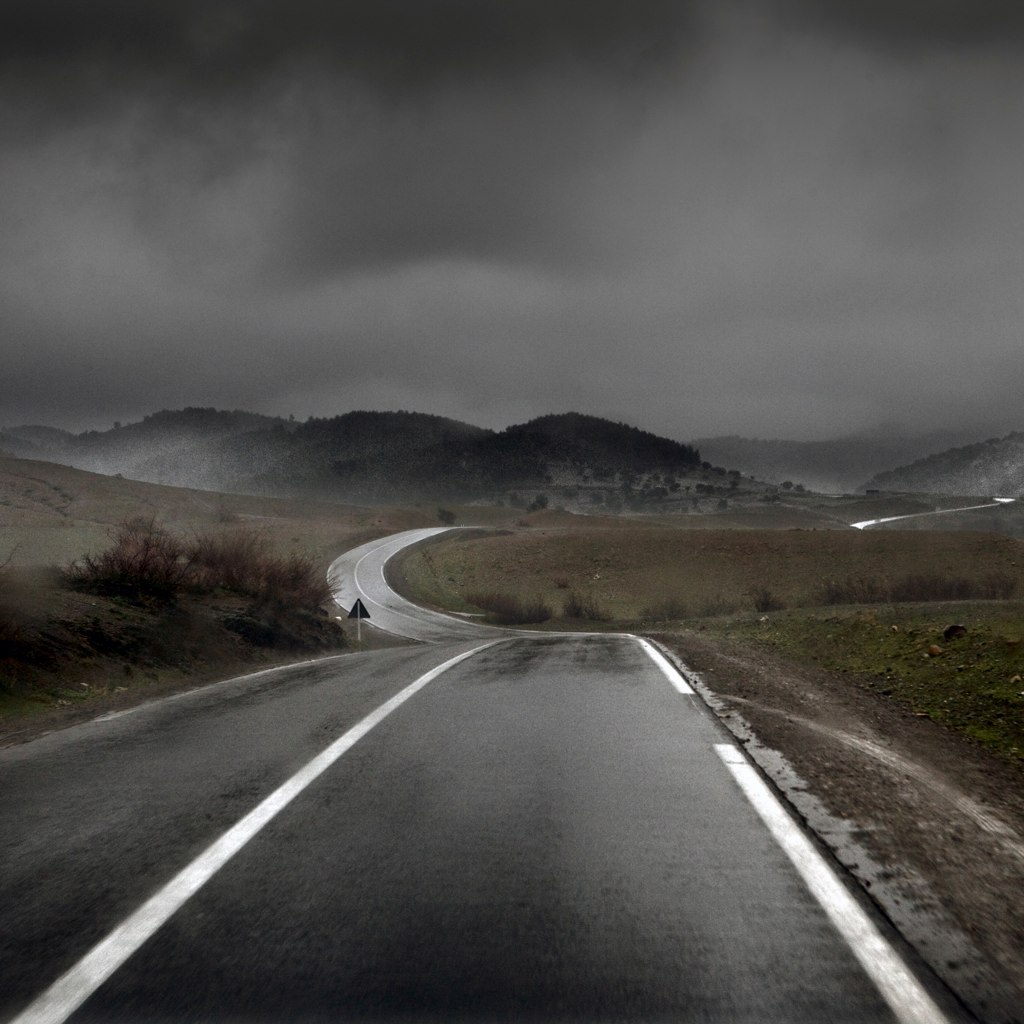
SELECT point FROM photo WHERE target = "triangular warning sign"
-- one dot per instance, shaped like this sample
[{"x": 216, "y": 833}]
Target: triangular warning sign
[{"x": 359, "y": 611}]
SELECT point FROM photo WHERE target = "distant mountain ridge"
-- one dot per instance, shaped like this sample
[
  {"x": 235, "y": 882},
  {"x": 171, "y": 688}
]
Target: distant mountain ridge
[
  {"x": 368, "y": 456},
  {"x": 840, "y": 465},
  {"x": 992, "y": 467}
]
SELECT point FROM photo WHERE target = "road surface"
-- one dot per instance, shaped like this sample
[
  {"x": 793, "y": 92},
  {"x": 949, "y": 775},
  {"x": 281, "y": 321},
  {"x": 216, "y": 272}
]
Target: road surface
[{"x": 489, "y": 828}]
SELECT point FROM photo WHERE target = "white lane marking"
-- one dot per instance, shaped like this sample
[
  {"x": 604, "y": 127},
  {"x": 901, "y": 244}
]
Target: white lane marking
[
  {"x": 66, "y": 994},
  {"x": 668, "y": 670},
  {"x": 893, "y": 979}
]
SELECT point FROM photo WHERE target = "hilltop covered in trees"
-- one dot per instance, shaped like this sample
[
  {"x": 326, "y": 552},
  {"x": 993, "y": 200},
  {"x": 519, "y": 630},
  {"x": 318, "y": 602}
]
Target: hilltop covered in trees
[{"x": 372, "y": 457}]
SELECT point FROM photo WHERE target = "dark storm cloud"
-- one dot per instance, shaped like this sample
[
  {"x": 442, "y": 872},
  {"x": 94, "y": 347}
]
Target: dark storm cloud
[
  {"x": 768, "y": 216},
  {"x": 396, "y": 128},
  {"x": 953, "y": 24},
  {"x": 398, "y": 43}
]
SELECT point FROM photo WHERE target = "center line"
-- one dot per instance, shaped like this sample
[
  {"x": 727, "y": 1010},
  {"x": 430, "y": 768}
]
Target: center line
[{"x": 66, "y": 994}]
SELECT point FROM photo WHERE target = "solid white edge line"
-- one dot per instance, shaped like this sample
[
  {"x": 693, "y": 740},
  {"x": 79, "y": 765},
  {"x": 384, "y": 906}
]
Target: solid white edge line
[
  {"x": 668, "y": 670},
  {"x": 66, "y": 994},
  {"x": 891, "y": 976}
]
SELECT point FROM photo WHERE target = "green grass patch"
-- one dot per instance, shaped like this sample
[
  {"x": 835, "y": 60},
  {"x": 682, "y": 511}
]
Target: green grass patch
[{"x": 972, "y": 683}]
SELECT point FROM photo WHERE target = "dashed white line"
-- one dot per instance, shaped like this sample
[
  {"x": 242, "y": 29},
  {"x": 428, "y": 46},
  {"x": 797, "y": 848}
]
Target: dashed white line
[
  {"x": 901, "y": 990},
  {"x": 66, "y": 994}
]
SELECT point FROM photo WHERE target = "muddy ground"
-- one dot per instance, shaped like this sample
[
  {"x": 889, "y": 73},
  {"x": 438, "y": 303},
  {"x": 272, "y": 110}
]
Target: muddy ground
[{"x": 930, "y": 824}]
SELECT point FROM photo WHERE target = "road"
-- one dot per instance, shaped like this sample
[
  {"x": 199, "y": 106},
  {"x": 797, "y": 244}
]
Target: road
[
  {"x": 994, "y": 503},
  {"x": 489, "y": 828}
]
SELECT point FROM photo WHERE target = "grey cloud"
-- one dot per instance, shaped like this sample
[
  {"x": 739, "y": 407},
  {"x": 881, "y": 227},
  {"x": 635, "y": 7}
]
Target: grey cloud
[
  {"x": 917, "y": 24},
  {"x": 216, "y": 44},
  {"x": 679, "y": 215}
]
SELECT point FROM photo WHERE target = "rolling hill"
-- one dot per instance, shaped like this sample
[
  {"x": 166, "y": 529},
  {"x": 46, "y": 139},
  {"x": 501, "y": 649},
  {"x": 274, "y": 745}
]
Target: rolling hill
[
  {"x": 992, "y": 467},
  {"x": 376, "y": 457},
  {"x": 836, "y": 466}
]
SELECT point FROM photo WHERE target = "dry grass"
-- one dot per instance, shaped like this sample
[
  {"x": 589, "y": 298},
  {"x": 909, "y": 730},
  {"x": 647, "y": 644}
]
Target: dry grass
[
  {"x": 918, "y": 587},
  {"x": 53, "y": 514},
  {"x": 644, "y": 573},
  {"x": 506, "y": 609}
]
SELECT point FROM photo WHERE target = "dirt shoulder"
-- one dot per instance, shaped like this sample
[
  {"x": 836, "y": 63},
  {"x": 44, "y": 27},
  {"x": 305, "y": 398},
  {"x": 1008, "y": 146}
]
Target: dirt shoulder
[
  {"x": 931, "y": 824},
  {"x": 66, "y": 656}
]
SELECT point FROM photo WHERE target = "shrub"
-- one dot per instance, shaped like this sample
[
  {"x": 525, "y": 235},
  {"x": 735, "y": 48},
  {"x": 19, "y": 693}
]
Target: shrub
[
  {"x": 233, "y": 561},
  {"x": 917, "y": 587},
  {"x": 145, "y": 561},
  {"x": 665, "y": 610},
  {"x": 853, "y": 590},
  {"x": 10, "y": 631},
  {"x": 509, "y": 609},
  {"x": 294, "y": 580},
  {"x": 717, "y": 604},
  {"x": 583, "y": 606},
  {"x": 766, "y": 600}
]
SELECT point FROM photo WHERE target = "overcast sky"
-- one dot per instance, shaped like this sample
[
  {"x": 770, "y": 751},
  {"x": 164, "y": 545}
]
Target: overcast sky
[{"x": 780, "y": 218}]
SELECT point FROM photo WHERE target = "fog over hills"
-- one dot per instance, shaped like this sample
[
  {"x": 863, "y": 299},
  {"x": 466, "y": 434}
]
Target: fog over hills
[
  {"x": 839, "y": 465},
  {"x": 374, "y": 456},
  {"x": 991, "y": 467},
  {"x": 394, "y": 457}
]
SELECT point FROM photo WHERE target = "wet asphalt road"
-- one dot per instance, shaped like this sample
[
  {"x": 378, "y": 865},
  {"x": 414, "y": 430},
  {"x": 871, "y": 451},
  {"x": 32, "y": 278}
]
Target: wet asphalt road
[{"x": 543, "y": 832}]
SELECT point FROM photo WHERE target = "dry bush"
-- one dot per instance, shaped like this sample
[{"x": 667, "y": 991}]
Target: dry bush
[
  {"x": 667, "y": 609},
  {"x": 766, "y": 600},
  {"x": 509, "y": 609},
  {"x": 996, "y": 586},
  {"x": 583, "y": 606},
  {"x": 917, "y": 587},
  {"x": 853, "y": 590},
  {"x": 145, "y": 561},
  {"x": 233, "y": 561},
  {"x": 294, "y": 580},
  {"x": 10, "y": 630},
  {"x": 716, "y": 604},
  {"x": 242, "y": 562}
]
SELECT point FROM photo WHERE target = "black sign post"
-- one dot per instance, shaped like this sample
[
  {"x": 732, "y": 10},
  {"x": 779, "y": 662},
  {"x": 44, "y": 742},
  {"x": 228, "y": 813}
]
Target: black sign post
[{"x": 359, "y": 613}]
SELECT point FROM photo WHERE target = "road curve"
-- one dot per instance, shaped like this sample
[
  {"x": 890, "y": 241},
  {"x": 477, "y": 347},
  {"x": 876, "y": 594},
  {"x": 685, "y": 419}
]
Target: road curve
[
  {"x": 499, "y": 827},
  {"x": 359, "y": 574}
]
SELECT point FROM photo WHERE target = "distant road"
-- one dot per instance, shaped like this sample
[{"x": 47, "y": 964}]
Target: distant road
[
  {"x": 359, "y": 574},
  {"x": 995, "y": 503},
  {"x": 486, "y": 827}
]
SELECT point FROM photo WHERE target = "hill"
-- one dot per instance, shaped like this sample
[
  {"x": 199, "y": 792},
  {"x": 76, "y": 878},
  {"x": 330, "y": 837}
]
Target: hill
[
  {"x": 837, "y": 466},
  {"x": 184, "y": 448},
  {"x": 995, "y": 466},
  {"x": 376, "y": 457}
]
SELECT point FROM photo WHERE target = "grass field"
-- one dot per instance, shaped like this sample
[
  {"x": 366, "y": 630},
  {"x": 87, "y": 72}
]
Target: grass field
[
  {"x": 973, "y": 682},
  {"x": 634, "y": 571}
]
